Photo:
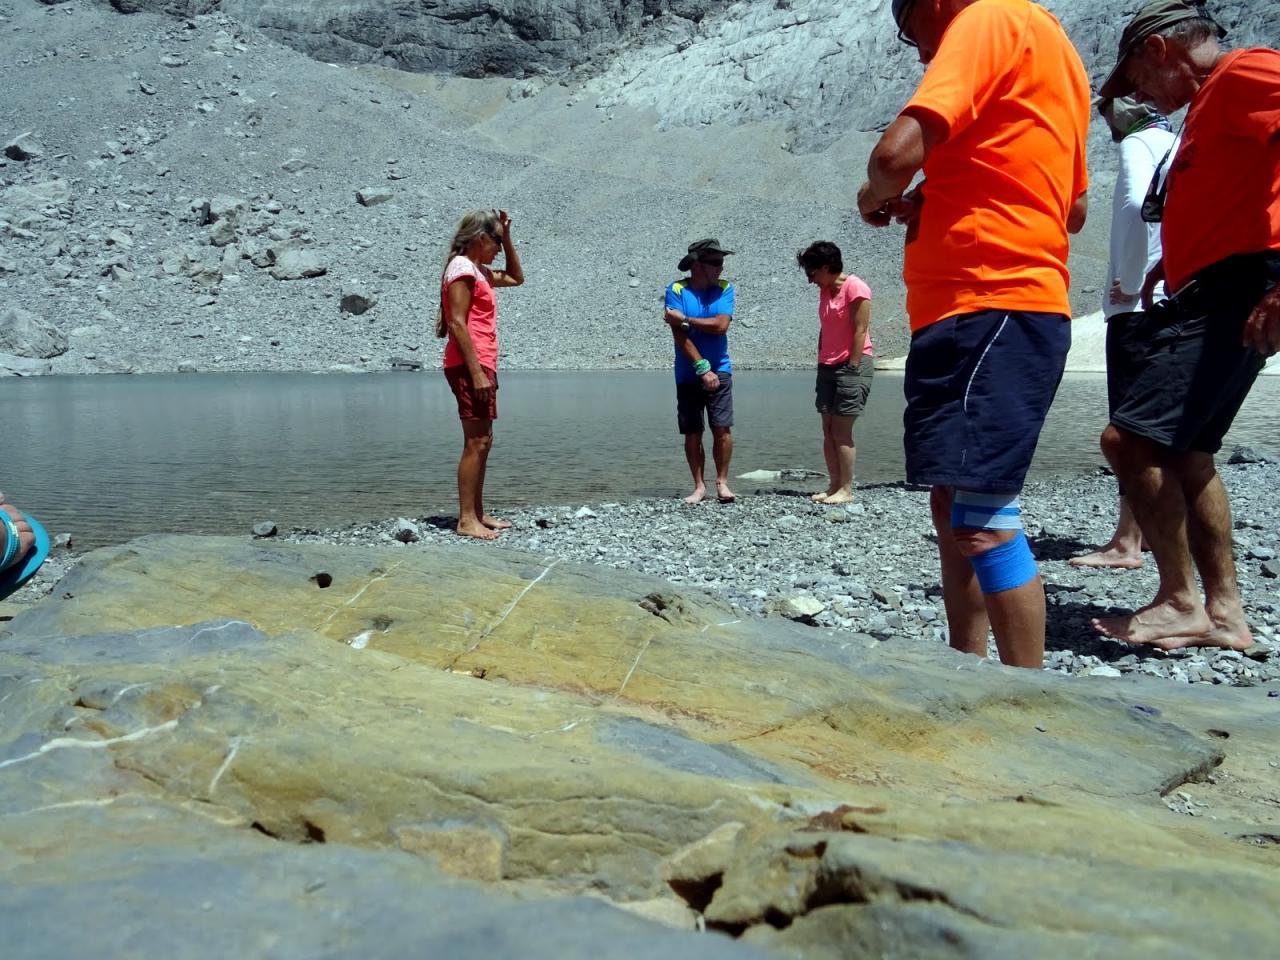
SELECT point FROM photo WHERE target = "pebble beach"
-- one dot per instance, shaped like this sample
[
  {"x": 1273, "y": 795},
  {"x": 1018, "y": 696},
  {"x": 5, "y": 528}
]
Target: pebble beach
[{"x": 867, "y": 572}]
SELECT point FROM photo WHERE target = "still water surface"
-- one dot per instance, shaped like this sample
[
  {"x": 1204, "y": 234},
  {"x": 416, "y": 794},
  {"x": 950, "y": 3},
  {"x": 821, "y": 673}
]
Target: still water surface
[{"x": 108, "y": 458}]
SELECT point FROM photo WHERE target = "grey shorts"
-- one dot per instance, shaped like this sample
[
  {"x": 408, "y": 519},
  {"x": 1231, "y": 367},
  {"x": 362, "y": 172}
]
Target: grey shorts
[
  {"x": 842, "y": 388},
  {"x": 692, "y": 398}
]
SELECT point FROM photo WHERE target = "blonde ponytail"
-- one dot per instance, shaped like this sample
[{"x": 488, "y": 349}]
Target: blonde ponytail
[{"x": 472, "y": 225}]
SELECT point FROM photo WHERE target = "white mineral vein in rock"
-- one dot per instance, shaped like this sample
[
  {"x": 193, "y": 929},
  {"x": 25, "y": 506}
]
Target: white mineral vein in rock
[
  {"x": 360, "y": 593},
  {"x": 226, "y": 762},
  {"x": 627, "y": 678},
  {"x": 507, "y": 612},
  {"x": 72, "y": 742}
]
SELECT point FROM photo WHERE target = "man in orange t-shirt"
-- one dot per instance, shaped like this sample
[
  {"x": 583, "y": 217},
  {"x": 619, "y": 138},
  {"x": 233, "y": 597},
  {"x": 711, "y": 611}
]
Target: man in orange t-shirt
[
  {"x": 998, "y": 125},
  {"x": 1198, "y": 353}
]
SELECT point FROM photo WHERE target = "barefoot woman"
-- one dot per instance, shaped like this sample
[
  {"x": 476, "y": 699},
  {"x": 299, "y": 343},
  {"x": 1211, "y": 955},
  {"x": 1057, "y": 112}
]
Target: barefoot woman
[
  {"x": 846, "y": 361},
  {"x": 468, "y": 316}
]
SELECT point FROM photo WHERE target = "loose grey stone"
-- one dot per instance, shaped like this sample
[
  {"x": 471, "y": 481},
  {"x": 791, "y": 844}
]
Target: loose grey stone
[
  {"x": 24, "y": 147},
  {"x": 801, "y": 608},
  {"x": 293, "y": 260},
  {"x": 1271, "y": 569},
  {"x": 406, "y": 531},
  {"x": 27, "y": 335},
  {"x": 223, "y": 233},
  {"x": 1243, "y": 454},
  {"x": 356, "y": 302},
  {"x": 294, "y": 165},
  {"x": 404, "y": 363},
  {"x": 372, "y": 196},
  {"x": 14, "y": 366},
  {"x": 265, "y": 528}
]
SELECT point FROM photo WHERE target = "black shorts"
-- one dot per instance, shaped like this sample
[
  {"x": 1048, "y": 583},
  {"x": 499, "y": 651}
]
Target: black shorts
[
  {"x": 978, "y": 388},
  {"x": 692, "y": 398},
  {"x": 842, "y": 388},
  {"x": 1182, "y": 372}
]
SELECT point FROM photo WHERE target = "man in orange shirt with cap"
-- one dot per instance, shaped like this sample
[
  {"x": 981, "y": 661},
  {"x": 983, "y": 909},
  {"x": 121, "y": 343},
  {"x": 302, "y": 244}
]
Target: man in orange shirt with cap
[
  {"x": 998, "y": 125},
  {"x": 1205, "y": 345}
]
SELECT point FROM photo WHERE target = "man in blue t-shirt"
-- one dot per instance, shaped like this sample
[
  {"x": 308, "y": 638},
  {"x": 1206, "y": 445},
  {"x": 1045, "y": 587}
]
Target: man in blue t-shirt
[{"x": 699, "y": 309}]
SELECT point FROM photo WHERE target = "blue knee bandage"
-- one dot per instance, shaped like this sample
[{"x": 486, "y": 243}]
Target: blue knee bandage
[
  {"x": 1005, "y": 567},
  {"x": 986, "y": 511}
]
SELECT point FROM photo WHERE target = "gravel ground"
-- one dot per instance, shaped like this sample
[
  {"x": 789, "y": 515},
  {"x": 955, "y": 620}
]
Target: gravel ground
[{"x": 870, "y": 569}]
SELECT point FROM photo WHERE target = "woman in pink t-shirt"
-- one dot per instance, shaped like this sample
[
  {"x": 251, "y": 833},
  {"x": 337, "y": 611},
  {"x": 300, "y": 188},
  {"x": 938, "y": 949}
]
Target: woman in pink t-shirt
[
  {"x": 845, "y": 364},
  {"x": 468, "y": 316}
]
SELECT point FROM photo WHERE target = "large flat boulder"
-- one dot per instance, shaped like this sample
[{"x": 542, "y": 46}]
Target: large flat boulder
[{"x": 260, "y": 709}]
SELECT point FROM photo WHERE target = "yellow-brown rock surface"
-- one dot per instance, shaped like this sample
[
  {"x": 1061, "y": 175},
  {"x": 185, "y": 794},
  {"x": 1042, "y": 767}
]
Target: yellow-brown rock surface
[{"x": 539, "y": 727}]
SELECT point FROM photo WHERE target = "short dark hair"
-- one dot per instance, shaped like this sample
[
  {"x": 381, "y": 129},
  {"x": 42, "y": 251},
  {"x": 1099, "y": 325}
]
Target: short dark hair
[{"x": 823, "y": 253}]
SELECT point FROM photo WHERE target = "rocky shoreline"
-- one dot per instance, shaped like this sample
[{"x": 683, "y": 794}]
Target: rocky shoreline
[{"x": 867, "y": 573}]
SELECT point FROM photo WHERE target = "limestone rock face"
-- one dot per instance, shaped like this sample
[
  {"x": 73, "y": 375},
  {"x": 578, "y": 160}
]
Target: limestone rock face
[
  {"x": 335, "y": 737},
  {"x": 820, "y": 67}
]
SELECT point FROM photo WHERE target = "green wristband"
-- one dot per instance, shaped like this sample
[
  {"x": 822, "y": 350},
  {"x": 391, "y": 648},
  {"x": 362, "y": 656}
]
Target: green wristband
[{"x": 702, "y": 366}]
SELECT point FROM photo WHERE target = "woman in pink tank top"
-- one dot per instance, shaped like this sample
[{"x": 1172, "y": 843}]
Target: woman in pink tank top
[{"x": 468, "y": 316}]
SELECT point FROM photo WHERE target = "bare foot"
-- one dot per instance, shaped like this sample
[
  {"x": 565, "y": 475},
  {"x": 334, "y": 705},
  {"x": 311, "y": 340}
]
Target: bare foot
[
  {"x": 723, "y": 493},
  {"x": 1230, "y": 632},
  {"x": 840, "y": 496},
  {"x": 1110, "y": 557},
  {"x": 477, "y": 530},
  {"x": 821, "y": 497},
  {"x": 699, "y": 494},
  {"x": 493, "y": 523},
  {"x": 1155, "y": 623}
]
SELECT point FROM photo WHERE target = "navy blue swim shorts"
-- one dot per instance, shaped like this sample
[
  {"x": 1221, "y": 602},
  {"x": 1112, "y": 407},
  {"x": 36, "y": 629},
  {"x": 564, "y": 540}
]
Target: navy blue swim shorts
[{"x": 978, "y": 388}]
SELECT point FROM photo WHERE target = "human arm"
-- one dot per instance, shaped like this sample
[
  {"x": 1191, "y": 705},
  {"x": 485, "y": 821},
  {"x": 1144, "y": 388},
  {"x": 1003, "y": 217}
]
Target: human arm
[
  {"x": 1153, "y": 279},
  {"x": 1078, "y": 213},
  {"x": 511, "y": 274},
  {"x": 897, "y": 157},
  {"x": 459, "y": 297},
  {"x": 1262, "y": 329},
  {"x": 685, "y": 344},
  {"x": 860, "y": 318}
]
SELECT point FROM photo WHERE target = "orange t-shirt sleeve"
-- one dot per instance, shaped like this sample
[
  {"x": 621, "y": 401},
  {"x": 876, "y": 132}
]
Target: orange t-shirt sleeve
[
  {"x": 971, "y": 67},
  {"x": 1256, "y": 82}
]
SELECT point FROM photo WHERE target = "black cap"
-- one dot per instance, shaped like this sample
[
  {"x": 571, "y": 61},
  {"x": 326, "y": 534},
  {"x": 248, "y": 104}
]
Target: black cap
[{"x": 1152, "y": 18}]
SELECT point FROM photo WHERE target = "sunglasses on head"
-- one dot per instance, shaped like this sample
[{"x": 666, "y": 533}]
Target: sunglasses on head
[{"x": 714, "y": 261}]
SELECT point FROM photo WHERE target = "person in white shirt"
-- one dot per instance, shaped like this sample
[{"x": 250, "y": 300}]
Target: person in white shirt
[{"x": 1146, "y": 144}]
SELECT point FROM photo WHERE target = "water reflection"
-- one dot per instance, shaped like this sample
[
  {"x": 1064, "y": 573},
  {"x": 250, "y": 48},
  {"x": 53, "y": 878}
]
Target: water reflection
[{"x": 109, "y": 458}]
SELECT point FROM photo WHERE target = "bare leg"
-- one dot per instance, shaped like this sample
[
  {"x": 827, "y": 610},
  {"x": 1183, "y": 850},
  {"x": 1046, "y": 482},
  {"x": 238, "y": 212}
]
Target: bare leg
[
  {"x": 1209, "y": 534},
  {"x": 477, "y": 438},
  {"x": 967, "y": 621},
  {"x": 1017, "y": 617},
  {"x": 842, "y": 437},
  {"x": 1155, "y": 493},
  {"x": 493, "y": 523},
  {"x": 697, "y": 457},
  {"x": 722, "y": 453},
  {"x": 1123, "y": 550},
  {"x": 833, "y": 463}
]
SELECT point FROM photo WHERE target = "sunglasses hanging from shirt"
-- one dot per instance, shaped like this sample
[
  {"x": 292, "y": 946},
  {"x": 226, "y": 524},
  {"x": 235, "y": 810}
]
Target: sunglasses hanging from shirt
[{"x": 1153, "y": 203}]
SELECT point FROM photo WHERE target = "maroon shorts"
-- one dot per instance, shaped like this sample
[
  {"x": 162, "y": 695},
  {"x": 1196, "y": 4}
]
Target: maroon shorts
[{"x": 470, "y": 406}]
